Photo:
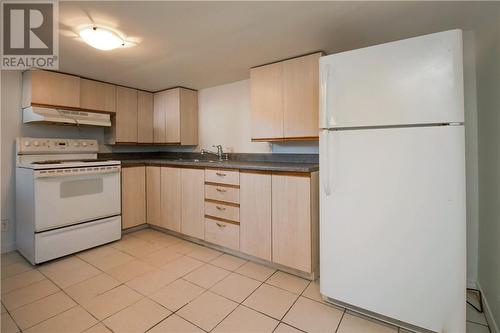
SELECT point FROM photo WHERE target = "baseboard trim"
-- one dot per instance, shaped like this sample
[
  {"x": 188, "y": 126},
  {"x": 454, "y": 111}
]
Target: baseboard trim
[
  {"x": 487, "y": 311},
  {"x": 471, "y": 284}
]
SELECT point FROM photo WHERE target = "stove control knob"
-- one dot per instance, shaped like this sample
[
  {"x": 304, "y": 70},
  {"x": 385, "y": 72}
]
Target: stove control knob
[
  {"x": 84, "y": 144},
  {"x": 27, "y": 143},
  {"x": 36, "y": 143},
  {"x": 76, "y": 144}
]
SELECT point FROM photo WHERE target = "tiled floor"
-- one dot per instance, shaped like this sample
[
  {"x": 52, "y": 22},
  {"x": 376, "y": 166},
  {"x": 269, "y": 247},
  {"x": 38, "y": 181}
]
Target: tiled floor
[
  {"x": 150, "y": 281},
  {"x": 476, "y": 321}
]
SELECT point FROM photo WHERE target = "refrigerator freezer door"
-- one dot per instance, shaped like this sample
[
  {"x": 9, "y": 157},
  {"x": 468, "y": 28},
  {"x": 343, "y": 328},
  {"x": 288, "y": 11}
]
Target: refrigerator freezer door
[
  {"x": 413, "y": 81},
  {"x": 392, "y": 230}
]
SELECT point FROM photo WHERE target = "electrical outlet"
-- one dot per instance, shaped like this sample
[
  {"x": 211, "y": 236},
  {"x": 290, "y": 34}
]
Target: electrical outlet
[{"x": 5, "y": 225}]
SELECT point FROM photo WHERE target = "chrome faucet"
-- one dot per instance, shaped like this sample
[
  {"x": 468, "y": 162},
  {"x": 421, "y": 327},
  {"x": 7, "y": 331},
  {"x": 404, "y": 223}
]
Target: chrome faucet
[{"x": 220, "y": 152}]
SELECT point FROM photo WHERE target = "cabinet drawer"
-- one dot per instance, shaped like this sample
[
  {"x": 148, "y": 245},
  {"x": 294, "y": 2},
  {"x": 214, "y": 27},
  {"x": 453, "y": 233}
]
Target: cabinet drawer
[
  {"x": 222, "y": 193},
  {"x": 224, "y": 234},
  {"x": 222, "y": 211},
  {"x": 222, "y": 176}
]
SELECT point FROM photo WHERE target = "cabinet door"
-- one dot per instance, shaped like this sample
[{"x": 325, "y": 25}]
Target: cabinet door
[
  {"x": 153, "y": 195},
  {"x": 301, "y": 97},
  {"x": 171, "y": 198},
  {"x": 173, "y": 116},
  {"x": 126, "y": 115},
  {"x": 50, "y": 88},
  {"x": 189, "y": 116},
  {"x": 97, "y": 96},
  {"x": 291, "y": 226},
  {"x": 255, "y": 214},
  {"x": 266, "y": 96},
  {"x": 159, "y": 117},
  {"x": 144, "y": 117},
  {"x": 133, "y": 196},
  {"x": 192, "y": 197}
]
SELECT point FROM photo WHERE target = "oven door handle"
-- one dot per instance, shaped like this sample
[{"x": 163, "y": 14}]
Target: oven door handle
[{"x": 65, "y": 174}]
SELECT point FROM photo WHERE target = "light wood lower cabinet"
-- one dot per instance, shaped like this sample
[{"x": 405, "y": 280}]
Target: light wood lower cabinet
[
  {"x": 222, "y": 233},
  {"x": 153, "y": 195},
  {"x": 133, "y": 196},
  {"x": 295, "y": 221},
  {"x": 193, "y": 197},
  {"x": 171, "y": 198},
  {"x": 276, "y": 218},
  {"x": 255, "y": 214}
]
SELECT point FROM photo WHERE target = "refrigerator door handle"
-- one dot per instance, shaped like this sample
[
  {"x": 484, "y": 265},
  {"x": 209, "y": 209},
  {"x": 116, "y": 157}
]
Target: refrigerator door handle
[
  {"x": 325, "y": 79},
  {"x": 325, "y": 154}
]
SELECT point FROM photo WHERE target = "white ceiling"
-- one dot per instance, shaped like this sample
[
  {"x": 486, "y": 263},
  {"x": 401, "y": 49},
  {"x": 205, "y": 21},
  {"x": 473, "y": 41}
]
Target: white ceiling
[{"x": 203, "y": 44}]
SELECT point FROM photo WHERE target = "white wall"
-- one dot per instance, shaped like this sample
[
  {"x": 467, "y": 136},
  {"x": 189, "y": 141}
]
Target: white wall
[
  {"x": 488, "y": 97},
  {"x": 224, "y": 118}
]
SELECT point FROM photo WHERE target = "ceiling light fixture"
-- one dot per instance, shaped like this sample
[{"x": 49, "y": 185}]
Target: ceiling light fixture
[{"x": 101, "y": 38}]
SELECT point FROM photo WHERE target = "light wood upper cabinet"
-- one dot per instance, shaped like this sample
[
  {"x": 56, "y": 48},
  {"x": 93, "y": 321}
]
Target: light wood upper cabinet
[
  {"x": 97, "y": 96},
  {"x": 144, "y": 117},
  {"x": 175, "y": 119},
  {"x": 285, "y": 99},
  {"x": 266, "y": 86},
  {"x": 255, "y": 214},
  {"x": 50, "y": 88},
  {"x": 295, "y": 221},
  {"x": 133, "y": 196},
  {"x": 171, "y": 198},
  {"x": 192, "y": 198},
  {"x": 153, "y": 195},
  {"x": 301, "y": 97},
  {"x": 125, "y": 121}
]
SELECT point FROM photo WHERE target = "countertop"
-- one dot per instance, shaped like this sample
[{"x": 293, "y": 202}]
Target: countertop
[{"x": 243, "y": 165}]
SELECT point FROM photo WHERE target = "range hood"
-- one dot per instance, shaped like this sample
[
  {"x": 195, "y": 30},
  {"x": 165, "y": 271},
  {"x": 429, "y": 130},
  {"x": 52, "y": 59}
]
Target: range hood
[{"x": 45, "y": 115}]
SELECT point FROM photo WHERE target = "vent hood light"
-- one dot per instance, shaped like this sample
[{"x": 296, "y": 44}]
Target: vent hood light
[{"x": 101, "y": 38}]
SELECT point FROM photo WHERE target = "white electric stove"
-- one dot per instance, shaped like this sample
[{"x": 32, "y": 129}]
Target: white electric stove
[{"x": 66, "y": 199}]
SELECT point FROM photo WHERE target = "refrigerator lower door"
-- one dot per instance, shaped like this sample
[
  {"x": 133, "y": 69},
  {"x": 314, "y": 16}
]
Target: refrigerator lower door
[{"x": 392, "y": 230}]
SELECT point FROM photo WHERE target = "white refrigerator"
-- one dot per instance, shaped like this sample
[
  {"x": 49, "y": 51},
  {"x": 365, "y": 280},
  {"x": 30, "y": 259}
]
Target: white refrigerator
[{"x": 392, "y": 162}]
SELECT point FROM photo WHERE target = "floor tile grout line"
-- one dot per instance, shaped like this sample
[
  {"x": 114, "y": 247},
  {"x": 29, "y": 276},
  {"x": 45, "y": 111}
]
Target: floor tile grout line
[
  {"x": 12, "y": 318},
  {"x": 475, "y": 322},
  {"x": 29, "y": 284},
  {"x": 340, "y": 321},
  {"x": 74, "y": 300}
]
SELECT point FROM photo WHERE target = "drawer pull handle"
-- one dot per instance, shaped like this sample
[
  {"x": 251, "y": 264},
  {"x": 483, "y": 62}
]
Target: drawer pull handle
[
  {"x": 220, "y": 208},
  {"x": 220, "y": 190},
  {"x": 220, "y": 174},
  {"x": 221, "y": 225}
]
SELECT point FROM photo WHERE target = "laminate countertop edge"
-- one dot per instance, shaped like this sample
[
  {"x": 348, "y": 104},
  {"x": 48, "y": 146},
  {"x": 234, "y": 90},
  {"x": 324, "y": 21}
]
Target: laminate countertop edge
[{"x": 241, "y": 165}]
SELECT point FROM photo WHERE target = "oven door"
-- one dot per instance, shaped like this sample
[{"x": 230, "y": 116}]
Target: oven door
[{"x": 69, "y": 196}]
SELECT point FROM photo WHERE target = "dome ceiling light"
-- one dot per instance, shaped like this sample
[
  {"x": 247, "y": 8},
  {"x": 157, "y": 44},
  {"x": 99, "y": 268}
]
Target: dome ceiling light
[{"x": 101, "y": 38}]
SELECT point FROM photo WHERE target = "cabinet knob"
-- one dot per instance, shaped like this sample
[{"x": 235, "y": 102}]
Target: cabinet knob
[
  {"x": 220, "y": 174},
  {"x": 220, "y": 208},
  {"x": 221, "y": 225},
  {"x": 220, "y": 190}
]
